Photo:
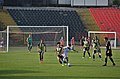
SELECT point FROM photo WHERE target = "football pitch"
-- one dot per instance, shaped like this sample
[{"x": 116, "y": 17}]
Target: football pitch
[{"x": 19, "y": 64}]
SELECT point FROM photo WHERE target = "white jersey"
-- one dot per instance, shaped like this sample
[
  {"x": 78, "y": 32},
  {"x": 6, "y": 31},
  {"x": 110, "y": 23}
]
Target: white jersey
[{"x": 65, "y": 51}]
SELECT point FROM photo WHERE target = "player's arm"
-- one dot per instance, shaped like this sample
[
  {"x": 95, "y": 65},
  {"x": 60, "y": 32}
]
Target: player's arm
[
  {"x": 38, "y": 48},
  {"x": 56, "y": 51},
  {"x": 45, "y": 48},
  {"x": 109, "y": 47},
  {"x": 61, "y": 52},
  {"x": 27, "y": 40}
]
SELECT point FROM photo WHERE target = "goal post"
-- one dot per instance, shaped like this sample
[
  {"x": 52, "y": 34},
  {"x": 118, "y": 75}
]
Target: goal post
[
  {"x": 104, "y": 32},
  {"x": 16, "y": 35}
]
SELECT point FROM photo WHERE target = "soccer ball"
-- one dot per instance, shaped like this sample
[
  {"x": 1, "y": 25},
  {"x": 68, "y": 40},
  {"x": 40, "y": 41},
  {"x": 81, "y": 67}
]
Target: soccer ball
[{"x": 69, "y": 65}]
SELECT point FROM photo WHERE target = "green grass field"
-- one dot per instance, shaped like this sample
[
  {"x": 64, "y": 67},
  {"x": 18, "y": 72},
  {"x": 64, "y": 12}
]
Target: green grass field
[{"x": 19, "y": 64}]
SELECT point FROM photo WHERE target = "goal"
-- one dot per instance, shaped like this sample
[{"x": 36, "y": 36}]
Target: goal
[
  {"x": 17, "y": 35},
  {"x": 102, "y": 34}
]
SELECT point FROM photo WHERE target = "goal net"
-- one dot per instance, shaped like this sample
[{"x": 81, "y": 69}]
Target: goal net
[
  {"x": 17, "y": 35},
  {"x": 3, "y": 41},
  {"x": 101, "y": 34}
]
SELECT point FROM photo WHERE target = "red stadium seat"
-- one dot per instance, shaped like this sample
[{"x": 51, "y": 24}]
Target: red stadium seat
[{"x": 108, "y": 19}]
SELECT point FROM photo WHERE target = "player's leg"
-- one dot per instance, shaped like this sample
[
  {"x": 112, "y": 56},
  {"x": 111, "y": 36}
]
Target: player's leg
[
  {"x": 105, "y": 61},
  {"x": 75, "y": 50},
  {"x": 84, "y": 51},
  {"x": 99, "y": 53},
  {"x": 30, "y": 47},
  {"x": 60, "y": 59},
  {"x": 42, "y": 54},
  {"x": 94, "y": 52},
  {"x": 67, "y": 61},
  {"x": 88, "y": 52},
  {"x": 110, "y": 57}
]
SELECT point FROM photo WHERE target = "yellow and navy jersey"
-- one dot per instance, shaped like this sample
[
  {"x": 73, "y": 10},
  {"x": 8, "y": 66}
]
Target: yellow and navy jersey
[
  {"x": 94, "y": 45},
  {"x": 59, "y": 50},
  {"x": 86, "y": 44},
  {"x": 42, "y": 46},
  {"x": 108, "y": 45}
]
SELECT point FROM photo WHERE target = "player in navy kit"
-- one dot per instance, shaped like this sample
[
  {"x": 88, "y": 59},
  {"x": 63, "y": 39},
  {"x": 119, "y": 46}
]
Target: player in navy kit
[{"x": 108, "y": 52}]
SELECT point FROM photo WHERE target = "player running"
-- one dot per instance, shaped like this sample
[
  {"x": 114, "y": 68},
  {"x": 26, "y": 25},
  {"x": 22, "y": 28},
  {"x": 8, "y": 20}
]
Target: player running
[
  {"x": 29, "y": 43},
  {"x": 96, "y": 48},
  {"x": 86, "y": 48},
  {"x": 59, "y": 51},
  {"x": 65, "y": 55},
  {"x": 108, "y": 52},
  {"x": 41, "y": 48}
]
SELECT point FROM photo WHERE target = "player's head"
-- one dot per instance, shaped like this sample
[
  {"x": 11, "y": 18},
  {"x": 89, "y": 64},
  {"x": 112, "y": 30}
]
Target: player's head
[
  {"x": 72, "y": 37},
  {"x": 29, "y": 35},
  {"x": 69, "y": 46},
  {"x": 82, "y": 36},
  {"x": 61, "y": 38},
  {"x": 95, "y": 37},
  {"x": 93, "y": 40},
  {"x": 58, "y": 44},
  {"x": 85, "y": 38},
  {"x": 41, "y": 41},
  {"x": 106, "y": 38}
]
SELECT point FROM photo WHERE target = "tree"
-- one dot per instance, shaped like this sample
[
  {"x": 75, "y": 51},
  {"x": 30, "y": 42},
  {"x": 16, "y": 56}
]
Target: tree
[{"x": 116, "y": 2}]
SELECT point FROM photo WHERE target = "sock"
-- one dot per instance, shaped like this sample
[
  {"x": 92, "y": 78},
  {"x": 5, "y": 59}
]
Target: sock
[
  {"x": 106, "y": 60},
  {"x": 93, "y": 56},
  {"x": 89, "y": 54},
  {"x": 67, "y": 59},
  {"x": 84, "y": 54},
  {"x": 100, "y": 56}
]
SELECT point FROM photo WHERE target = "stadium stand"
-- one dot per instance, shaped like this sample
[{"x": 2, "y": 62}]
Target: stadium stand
[
  {"x": 5, "y": 20},
  {"x": 108, "y": 19},
  {"x": 49, "y": 17}
]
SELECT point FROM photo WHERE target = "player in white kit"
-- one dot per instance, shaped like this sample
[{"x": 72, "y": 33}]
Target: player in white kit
[{"x": 65, "y": 55}]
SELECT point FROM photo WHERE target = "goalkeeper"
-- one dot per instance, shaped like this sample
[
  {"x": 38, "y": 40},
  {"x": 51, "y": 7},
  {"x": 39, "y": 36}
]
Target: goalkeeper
[
  {"x": 41, "y": 48},
  {"x": 29, "y": 43}
]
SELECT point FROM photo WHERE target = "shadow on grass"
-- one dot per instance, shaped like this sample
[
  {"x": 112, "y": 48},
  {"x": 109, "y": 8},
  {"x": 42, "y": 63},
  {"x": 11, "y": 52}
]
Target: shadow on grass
[
  {"x": 55, "y": 77},
  {"x": 91, "y": 65}
]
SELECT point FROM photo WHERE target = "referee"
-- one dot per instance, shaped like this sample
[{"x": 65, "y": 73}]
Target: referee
[{"x": 108, "y": 52}]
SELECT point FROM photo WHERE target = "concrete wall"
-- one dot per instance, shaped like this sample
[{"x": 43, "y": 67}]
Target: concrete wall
[
  {"x": 90, "y": 2},
  {"x": 64, "y": 2}
]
